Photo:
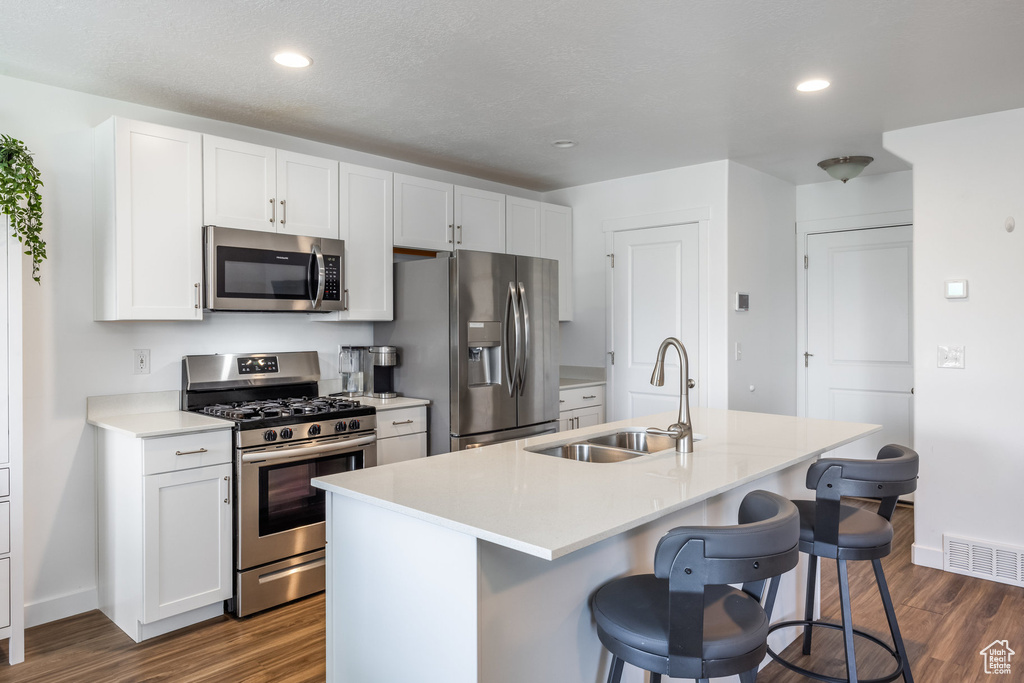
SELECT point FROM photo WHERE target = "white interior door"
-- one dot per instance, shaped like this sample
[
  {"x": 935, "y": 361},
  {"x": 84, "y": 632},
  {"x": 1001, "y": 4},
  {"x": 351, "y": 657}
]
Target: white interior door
[
  {"x": 859, "y": 336},
  {"x": 655, "y": 283}
]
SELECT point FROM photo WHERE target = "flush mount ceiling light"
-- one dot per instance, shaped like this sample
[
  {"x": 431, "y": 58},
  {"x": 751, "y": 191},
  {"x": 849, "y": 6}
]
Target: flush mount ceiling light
[
  {"x": 813, "y": 85},
  {"x": 564, "y": 144},
  {"x": 844, "y": 168},
  {"x": 292, "y": 59}
]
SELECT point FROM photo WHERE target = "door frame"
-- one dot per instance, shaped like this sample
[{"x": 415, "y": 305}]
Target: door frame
[
  {"x": 702, "y": 217},
  {"x": 892, "y": 219}
]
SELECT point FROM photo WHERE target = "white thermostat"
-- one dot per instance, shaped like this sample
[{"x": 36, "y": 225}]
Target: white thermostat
[
  {"x": 956, "y": 289},
  {"x": 742, "y": 301}
]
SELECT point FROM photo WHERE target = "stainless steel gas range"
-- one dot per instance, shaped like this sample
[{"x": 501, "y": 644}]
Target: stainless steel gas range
[{"x": 284, "y": 435}]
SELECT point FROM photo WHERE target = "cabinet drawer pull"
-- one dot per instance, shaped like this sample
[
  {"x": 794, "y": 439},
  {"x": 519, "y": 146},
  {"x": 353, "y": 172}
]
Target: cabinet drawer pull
[
  {"x": 561, "y": 400},
  {"x": 589, "y": 397},
  {"x": 201, "y": 450},
  {"x": 198, "y": 297},
  {"x": 403, "y": 422}
]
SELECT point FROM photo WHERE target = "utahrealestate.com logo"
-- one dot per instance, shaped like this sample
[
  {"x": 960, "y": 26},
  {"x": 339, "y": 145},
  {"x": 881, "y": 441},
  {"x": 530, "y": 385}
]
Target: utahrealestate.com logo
[{"x": 997, "y": 657}]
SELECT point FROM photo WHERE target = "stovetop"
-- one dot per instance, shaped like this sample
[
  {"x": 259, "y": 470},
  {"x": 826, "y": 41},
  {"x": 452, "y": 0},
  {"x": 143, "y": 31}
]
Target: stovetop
[{"x": 286, "y": 411}]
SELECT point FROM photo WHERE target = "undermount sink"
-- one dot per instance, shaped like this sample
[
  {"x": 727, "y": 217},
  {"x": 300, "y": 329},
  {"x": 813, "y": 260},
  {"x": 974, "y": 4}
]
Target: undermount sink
[
  {"x": 635, "y": 441},
  {"x": 588, "y": 452}
]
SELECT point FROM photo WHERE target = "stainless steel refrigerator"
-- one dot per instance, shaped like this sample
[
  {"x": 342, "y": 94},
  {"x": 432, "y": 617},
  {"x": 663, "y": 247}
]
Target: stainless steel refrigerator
[{"x": 478, "y": 335}]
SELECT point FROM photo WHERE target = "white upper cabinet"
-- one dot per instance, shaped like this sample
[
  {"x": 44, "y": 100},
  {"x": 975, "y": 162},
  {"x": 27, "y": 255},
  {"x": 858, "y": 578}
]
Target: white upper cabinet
[
  {"x": 148, "y": 222},
  {"x": 522, "y": 227},
  {"x": 260, "y": 188},
  {"x": 307, "y": 189},
  {"x": 423, "y": 214},
  {"x": 479, "y": 220},
  {"x": 556, "y": 243},
  {"x": 366, "y": 226}
]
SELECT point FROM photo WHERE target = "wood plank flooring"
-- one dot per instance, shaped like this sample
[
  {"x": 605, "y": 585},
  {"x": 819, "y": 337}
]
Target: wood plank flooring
[{"x": 946, "y": 620}]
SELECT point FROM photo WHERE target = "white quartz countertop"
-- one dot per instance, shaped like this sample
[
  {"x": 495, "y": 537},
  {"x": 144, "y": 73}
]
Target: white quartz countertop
[
  {"x": 392, "y": 403},
  {"x": 573, "y": 383},
  {"x": 549, "y": 507},
  {"x": 162, "y": 423}
]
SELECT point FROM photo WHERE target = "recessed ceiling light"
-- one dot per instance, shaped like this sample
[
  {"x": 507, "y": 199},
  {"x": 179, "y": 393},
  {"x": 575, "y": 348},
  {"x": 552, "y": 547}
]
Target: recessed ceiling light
[
  {"x": 292, "y": 59},
  {"x": 813, "y": 85},
  {"x": 564, "y": 144}
]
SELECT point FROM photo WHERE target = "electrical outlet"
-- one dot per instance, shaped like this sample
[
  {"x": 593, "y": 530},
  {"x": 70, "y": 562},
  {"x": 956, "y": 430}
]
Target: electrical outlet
[
  {"x": 951, "y": 357},
  {"x": 140, "y": 361}
]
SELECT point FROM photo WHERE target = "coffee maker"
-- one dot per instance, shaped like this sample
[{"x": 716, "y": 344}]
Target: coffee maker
[{"x": 379, "y": 363}]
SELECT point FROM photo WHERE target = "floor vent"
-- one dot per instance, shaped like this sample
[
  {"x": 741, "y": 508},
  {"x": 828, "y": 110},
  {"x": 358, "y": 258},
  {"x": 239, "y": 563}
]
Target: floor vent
[{"x": 991, "y": 561}]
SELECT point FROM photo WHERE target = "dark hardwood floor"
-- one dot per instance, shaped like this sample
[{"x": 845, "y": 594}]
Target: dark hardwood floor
[{"x": 946, "y": 620}]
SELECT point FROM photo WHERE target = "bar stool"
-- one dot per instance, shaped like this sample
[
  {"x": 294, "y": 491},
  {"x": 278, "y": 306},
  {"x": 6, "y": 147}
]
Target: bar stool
[
  {"x": 684, "y": 620},
  {"x": 844, "y": 532}
]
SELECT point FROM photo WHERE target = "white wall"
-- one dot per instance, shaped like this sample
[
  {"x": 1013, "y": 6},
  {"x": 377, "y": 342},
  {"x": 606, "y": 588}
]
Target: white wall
[
  {"x": 865, "y": 201},
  {"x": 762, "y": 263},
  {"x": 69, "y": 357},
  {"x": 692, "y": 187},
  {"x": 968, "y": 428}
]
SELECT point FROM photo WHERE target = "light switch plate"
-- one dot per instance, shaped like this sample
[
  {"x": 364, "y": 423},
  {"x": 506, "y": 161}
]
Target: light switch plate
[
  {"x": 951, "y": 357},
  {"x": 956, "y": 289}
]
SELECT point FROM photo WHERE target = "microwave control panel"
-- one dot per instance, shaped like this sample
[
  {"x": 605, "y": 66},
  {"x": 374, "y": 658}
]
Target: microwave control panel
[{"x": 332, "y": 278}]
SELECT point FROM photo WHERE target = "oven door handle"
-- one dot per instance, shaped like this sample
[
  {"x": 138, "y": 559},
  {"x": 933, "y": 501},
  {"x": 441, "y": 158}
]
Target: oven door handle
[{"x": 309, "y": 451}]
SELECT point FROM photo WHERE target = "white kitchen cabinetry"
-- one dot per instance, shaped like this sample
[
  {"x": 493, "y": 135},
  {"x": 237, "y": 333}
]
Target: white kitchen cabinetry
[
  {"x": 164, "y": 529},
  {"x": 479, "y": 220},
  {"x": 261, "y": 188},
  {"x": 580, "y": 407},
  {"x": 443, "y": 217},
  {"x": 545, "y": 230},
  {"x": 148, "y": 221},
  {"x": 367, "y": 203},
  {"x": 401, "y": 434}
]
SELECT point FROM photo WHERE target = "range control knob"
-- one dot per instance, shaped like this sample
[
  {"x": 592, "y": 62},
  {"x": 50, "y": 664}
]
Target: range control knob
[
  {"x": 286, "y": 433},
  {"x": 353, "y": 424},
  {"x": 339, "y": 426},
  {"x": 314, "y": 430},
  {"x": 270, "y": 435}
]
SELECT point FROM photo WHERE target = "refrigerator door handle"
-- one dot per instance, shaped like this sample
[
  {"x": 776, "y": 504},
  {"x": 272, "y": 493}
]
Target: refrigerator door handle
[
  {"x": 526, "y": 338},
  {"x": 511, "y": 311}
]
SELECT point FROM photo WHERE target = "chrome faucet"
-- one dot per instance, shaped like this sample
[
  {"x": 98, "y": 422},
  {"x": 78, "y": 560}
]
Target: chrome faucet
[{"x": 682, "y": 430}]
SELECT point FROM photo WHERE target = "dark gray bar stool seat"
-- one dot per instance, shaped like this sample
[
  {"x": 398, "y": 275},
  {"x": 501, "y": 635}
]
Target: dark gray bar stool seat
[
  {"x": 684, "y": 620},
  {"x": 828, "y": 528}
]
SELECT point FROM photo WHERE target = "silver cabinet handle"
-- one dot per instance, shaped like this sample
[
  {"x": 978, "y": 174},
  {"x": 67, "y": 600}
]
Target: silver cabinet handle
[
  {"x": 228, "y": 488},
  {"x": 201, "y": 450},
  {"x": 198, "y": 298},
  {"x": 403, "y": 422},
  {"x": 451, "y": 226},
  {"x": 459, "y": 228},
  {"x": 589, "y": 397},
  {"x": 273, "y": 211},
  {"x": 284, "y": 212}
]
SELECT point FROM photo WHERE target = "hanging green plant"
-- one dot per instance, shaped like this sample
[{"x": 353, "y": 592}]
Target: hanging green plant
[{"x": 20, "y": 199}]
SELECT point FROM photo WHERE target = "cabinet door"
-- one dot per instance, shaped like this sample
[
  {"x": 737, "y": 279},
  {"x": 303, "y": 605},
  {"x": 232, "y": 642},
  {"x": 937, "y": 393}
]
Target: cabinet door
[
  {"x": 239, "y": 185},
  {"x": 307, "y": 195},
  {"x": 589, "y": 417},
  {"x": 423, "y": 214},
  {"x": 186, "y": 540},
  {"x": 366, "y": 224},
  {"x": 522, "y": 227},
  {"x": 401, "y": 448},
  {"x": 479, "y": 220},
  {"x": 565, "y": 422},
  {"x": 157, "y": 224},
  {"x": 556, "y": 243}
]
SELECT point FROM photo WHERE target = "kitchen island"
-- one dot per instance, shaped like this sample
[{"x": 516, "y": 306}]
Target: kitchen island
[{"x": 478, "y": 566}]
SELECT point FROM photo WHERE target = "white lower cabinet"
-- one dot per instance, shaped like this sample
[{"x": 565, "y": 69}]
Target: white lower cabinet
[
  {"x": 164, "y": 529},
  {"x": 583, "y": 407},
  {"x": 401, "y": 434}
]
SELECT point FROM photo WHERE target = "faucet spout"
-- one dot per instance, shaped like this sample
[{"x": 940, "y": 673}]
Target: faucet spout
[{"x": 682, "y": 430}]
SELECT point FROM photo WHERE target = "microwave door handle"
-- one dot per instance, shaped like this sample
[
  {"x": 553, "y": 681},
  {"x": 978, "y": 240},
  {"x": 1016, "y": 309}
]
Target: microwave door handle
[
  {"x": 526, "y": 338},
  {"x": 510, "y": 312},
  {"x": 320, "y": 277}
]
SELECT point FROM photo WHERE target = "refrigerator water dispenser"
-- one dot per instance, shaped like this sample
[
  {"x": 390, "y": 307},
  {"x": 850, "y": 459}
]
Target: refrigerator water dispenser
[{"x": 483, "y": 339}]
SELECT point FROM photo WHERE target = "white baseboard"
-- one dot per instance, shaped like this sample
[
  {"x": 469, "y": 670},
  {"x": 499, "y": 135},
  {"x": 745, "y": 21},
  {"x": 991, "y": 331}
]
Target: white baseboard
[
  {"x": 60, "y": 607},
  {"x": 926, "y": 557}
]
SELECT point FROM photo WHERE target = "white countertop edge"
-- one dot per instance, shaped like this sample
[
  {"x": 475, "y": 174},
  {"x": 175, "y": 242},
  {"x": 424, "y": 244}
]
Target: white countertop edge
[
  {"x": 385, "y": 404},
  {"x": 163, "y": 423},
  {"x": 571, "y": 383}
]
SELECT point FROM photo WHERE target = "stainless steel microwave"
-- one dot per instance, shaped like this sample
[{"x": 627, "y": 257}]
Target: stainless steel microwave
[{"x": 248, "y": 270}]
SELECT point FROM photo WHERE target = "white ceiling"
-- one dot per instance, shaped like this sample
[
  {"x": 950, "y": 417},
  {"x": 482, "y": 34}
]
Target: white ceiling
[{"x": 483, "y": 87}]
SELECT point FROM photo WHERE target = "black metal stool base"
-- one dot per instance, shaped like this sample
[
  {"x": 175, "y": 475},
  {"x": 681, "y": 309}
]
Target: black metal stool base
[{"x": 838, "y": 627}]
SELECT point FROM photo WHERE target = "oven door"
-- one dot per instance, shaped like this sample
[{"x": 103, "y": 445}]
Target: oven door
[
  {"x": 258, "y": 271},
  {"x": 280, "y": 513}
]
